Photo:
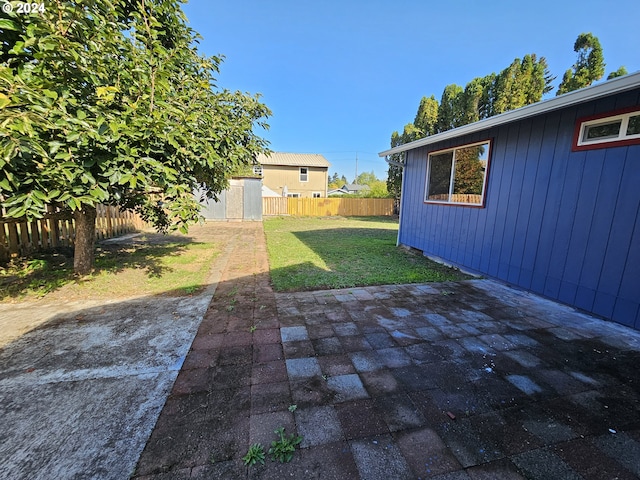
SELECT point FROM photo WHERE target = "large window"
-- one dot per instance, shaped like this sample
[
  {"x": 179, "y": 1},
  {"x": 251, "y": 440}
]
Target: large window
[
  {"x": 458, "y": 175},
  {"x": 609, "y": 130},
  {"x": 304, "y": 174}
]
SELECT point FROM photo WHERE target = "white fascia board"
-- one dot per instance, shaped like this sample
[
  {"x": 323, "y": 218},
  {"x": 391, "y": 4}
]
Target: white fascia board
[{"x": 610, "y": 87}]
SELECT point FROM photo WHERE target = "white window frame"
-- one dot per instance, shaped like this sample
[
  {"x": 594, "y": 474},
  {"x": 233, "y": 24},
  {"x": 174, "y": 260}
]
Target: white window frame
[
  {"x": 306, "y": 174},
  {"x": 449, "y": 201},
  {"x": 293, "y": 195},
  {"x": 257, "y": 170},
  {"x": 316, "y": 194},
  {"x": 623, "y": 118}
]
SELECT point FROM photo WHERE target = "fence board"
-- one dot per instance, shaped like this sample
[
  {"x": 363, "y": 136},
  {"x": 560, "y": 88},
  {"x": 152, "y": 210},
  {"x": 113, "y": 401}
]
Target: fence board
[
  {"x": 324, "y": 207},
  {"x": 19, "y": 237}
]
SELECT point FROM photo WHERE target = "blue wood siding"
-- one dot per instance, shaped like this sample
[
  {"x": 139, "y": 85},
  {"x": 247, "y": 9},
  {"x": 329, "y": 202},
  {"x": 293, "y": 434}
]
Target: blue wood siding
[{"x": 559, "y": 223}]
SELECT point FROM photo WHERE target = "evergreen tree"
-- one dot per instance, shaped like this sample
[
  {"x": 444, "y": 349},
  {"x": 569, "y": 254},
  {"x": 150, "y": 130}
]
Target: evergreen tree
[
  {"x": 394, "y": 174},
  {"x": 476, "y": 103},
  {"x": 426, "y": 120},
  {"x": 588, "y": 68},
  {"x": 450, "y": 112},
  {"x": 621, "y": 72},
  {"x": 522, "y": 83}
]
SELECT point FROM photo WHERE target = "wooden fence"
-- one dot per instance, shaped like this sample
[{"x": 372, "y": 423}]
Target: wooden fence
[
  {"x": 323, "y": 207},
  {"x": 458, "y": 198},
  {"x": 56, "y": 229}
]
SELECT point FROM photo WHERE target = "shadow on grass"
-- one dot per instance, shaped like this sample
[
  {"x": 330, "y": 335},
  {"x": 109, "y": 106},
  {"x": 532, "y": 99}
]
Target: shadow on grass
[
  {"x": 357, "y": 257},
  {"x": 47, "y": 271}
]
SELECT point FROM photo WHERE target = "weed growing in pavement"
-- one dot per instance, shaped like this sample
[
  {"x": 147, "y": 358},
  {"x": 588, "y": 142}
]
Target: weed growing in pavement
[
  {"x": 283, "y": 449},
  {"x": 252, "y": 328},
  {"x": 254, "y": 455},
  {"x": 293, "y": 408}
]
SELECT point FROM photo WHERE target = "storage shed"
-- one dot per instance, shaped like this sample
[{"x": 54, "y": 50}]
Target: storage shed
[
  {"x": 241, "y": 201},
  {"x": 545, "y": 198}
]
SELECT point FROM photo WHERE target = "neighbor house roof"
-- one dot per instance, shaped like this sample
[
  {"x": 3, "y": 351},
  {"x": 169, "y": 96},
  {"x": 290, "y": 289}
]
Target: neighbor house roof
[
  {"x": 354, "y": 187},
  {"x": 294, "y": 159},
  {"x": 610, "y": 87},
  {"x": 267, "y": 192}
]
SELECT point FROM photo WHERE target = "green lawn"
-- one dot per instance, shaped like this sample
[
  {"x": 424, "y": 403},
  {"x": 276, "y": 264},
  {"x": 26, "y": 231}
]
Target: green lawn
[
  {"x": 311, "y": 253},
  {"x": 156, "y": 264}
]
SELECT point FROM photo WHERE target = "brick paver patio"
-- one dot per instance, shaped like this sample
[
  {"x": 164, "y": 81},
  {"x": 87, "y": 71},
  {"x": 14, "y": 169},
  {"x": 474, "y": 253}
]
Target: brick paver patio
[{"x": 469, "y": 380}]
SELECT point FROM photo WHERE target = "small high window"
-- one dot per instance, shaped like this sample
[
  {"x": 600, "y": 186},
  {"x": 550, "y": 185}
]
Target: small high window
[
  {"x": 304, "y": 174},
  {"x": 608, "y": 130},
  {"x": 257, "y": 170},
  {"x": 458, "y": 175}
]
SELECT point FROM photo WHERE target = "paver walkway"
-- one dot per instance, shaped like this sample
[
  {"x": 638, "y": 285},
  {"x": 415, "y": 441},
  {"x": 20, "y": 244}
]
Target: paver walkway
[{"x": 469, "y": 380}]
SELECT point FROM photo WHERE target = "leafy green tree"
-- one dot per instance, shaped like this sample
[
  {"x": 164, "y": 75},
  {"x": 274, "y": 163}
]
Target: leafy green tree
[
  {"x": 475, "y": 100},
  {"x": 379, "y": 189},
  {"x": 109, "y": 101},
  {"x": 366, "y": 178},
  {"x": 621, "y": 72},
  {"x": 588, "y": 68},
  {"x": 426, "y": 120},
  {"x": 394, "y": 173},
  {"x": 335, "y": 182},
  {"x": 450, "y": 112}
]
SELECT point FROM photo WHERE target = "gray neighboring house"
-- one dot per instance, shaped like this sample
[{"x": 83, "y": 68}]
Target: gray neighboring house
[{"x": 349, "y": 189}]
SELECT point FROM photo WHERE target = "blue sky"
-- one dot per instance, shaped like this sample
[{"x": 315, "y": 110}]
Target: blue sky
[{"x": 341, "y": 75}]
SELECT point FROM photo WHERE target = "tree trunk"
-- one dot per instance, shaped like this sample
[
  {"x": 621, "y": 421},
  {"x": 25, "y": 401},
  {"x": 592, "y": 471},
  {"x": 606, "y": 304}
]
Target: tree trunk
[{"x": 84, "y": 254}]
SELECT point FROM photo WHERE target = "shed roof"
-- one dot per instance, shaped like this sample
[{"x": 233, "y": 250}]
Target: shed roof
[
  {"x": 294, "y": 159},
  {"x": 610, "y": 87}
]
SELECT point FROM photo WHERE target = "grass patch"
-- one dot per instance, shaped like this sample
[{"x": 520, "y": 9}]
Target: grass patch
[
  {"x": 152, "y": 265},
  {"x": 311, "y": 253}
]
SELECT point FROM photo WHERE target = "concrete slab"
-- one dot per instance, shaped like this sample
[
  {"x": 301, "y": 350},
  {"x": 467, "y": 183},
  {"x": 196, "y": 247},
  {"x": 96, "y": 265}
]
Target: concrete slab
[{"x": 79, "y": 397}]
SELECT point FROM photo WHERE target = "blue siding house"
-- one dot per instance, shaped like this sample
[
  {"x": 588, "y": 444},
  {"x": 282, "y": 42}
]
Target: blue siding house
[{"x": 545, "y": 198}]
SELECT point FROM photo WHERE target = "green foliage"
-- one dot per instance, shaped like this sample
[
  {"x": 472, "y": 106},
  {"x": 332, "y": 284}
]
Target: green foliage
[
  {"x": 366, "y": 178},
  {"x": 284, "y": 448},
  {"x": 621, "y": 72},
  {"x": 426, "y": 117},
  {"x": 409, "y": 134},
  {"x": 109, "y": 101},
  {"x": 254, "y": 455},
  {"x": 589, "y": 66},
  {"x": 522, "y": 83},
  {"x": 450, "y": 111}
]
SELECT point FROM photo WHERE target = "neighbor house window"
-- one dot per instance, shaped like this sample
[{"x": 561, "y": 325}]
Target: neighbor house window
[
  {"x": 257, "y": 170},
  {"x": 293, "y": 195},
  {"x": 304, "y": 174},
  {"x": 458, "y": 175},
  {"x": 622, "y": 128},
  {"x": 316, "y": 194}
]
